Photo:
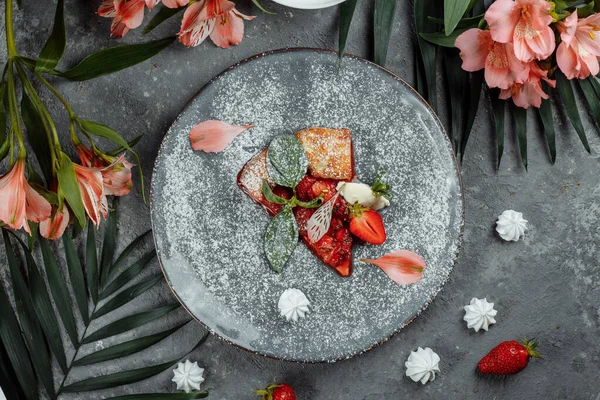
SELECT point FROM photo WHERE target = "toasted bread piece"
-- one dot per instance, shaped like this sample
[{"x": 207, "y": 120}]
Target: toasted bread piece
[{"x": 329, "y": 152}]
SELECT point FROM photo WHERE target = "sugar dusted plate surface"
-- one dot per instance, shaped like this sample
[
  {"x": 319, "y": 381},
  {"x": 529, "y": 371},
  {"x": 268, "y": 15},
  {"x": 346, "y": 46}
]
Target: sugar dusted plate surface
[{"x": 209, "y": 234}]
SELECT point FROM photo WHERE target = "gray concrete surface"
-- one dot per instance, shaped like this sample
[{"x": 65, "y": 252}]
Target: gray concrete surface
[{"x": 545, "y": 286}]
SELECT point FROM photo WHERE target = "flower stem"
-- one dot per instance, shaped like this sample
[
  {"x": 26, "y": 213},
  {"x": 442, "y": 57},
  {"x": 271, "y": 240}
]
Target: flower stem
[
  {"x": 10, "y": 33},
  {"x": 16, "y": 128},
  {"x": 57, "y": 94}
]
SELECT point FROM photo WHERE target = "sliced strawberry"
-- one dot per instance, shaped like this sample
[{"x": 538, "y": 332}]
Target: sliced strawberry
[
  {"x": 304, "y": 188},
  {"x": 341, "y": 209},
  {"x": 325, "y": 187},
  {"x": 366, "y": 224}
]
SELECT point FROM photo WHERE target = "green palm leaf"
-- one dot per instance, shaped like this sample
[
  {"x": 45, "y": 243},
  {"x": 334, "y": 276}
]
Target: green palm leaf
[
  {"x": 384, "y": 17},
  {"x": 545, "y": 112},
  {"x": 127, "y": 348},
  {"x": 130, "y": 322},
  {"x": 498, "y": 107},
  {"x": 567, "y": 96},
  {"x": 520, "y": 116},
  {"x": 76, "y": 276},
  {"x": 346, "y": 14},
  {"x": 59, "y": 291},
  {"x": 91, "y": 263},
  {"x": 127, "y": 295},
  {"x": 127, "y": 275},
  {"x": 125, "y": 253},
  {"x": 108, "y": 246}
]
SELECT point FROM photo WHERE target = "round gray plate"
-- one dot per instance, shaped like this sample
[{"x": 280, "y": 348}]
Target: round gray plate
[{"x": 209, "y": 235}]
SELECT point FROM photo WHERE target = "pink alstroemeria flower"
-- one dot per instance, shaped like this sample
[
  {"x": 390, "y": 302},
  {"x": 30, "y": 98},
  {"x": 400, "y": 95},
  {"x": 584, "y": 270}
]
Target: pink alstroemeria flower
[
  {"x": 217, "y": 18},
  {"x": 525, "y": 24},
  {"x": 213, "y": 136},
  {"x": 529, "y": 93},
  {"x": 116, "y": 172},
  {"x": 175, "y": 3},
  {"x": 19, "y": 202},
  {"x": 92, "y": 192},
  {"x": 478, "y": 50},
  {"x": 53, "y": 228},
  {"x": 577, "y": 54},
  {"x": 402, "y": 266},
  {"x": 126, "y": 14}
]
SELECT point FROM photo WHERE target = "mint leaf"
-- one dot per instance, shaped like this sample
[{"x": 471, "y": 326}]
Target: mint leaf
[
  {"x": 286, "y": 161},
  {"x": 281, "y": 238},
  {"x": 270, "y": 196},
  {"x": 380, "y": 188}
]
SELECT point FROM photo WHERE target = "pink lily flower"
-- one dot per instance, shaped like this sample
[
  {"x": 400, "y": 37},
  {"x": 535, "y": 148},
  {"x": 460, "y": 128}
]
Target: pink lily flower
[
  {"x": 126, "y": 14},
  {"x": 53, "y": 228},
  {"x": 116, "y": 172},
  {"x": 577, "y": 54},
  {"x": 402, "y": 266},
  {"x": 478, "y": 50},
  {"x": 19, "y": 202},
  {"x": 92, "y": 192},
  {"x": 215, "y": 18},
  {"x": 529, "y": 93},
  {"x": 214, "y": 136},
  {"x": 525, "y": 24}
]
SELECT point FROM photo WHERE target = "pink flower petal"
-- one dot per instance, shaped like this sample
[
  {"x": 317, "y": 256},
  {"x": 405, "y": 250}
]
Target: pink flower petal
[
  {"x": 229, "y": 30},
  {"x": 214, "y": 136},
  {"x": 53, "y": 228},
  {"x": 37, "y": 207},
  {"x": 474, "y": 46},
  {"x": 502, "y": 17},
  {"x": 402, "y": 266},
  {"x": 568, "y": 27},
  {"x": 175, "y": 3}
]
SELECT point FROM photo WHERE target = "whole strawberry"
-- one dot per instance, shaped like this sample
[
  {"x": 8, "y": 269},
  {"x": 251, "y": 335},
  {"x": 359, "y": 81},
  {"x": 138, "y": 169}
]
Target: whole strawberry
[
  {"x": 277, "y": 392},
  {"x": 508, "y": 358}
]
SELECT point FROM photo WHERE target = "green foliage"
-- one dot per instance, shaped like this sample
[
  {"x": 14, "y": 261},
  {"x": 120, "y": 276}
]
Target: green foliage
[
  {"x": 55, "y": 45},
  {"x": 383, "y": 24},
  {"x": 453, "y": 13},
  {"x": 281, "y": 238},
  {"x": 346, "y": 14}
]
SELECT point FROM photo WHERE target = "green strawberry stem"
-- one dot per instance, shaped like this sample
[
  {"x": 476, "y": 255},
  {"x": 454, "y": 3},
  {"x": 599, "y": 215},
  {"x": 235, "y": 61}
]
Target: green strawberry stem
[{"x": 530, "y": 346}]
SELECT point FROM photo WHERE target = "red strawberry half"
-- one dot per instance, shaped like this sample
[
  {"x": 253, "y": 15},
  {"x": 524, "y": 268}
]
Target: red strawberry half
[
  {"x": 508, "y": 358},
  {"x": 277, "y": 392},
  {"x": 367, "y": 224}
]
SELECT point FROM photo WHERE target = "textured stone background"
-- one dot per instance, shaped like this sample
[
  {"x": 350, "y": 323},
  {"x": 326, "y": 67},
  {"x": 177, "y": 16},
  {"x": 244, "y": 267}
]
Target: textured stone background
[{"x": 546, "y": 285}]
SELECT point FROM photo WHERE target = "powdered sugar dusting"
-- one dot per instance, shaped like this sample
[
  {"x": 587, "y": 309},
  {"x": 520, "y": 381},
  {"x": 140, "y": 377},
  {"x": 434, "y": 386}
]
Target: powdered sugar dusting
[{"x": 209, "y": 234}]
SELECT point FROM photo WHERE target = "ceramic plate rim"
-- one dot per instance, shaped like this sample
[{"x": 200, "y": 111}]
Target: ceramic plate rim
[
  {"x": 292, "y": 4},
  {"x": 449, "y": 146}
]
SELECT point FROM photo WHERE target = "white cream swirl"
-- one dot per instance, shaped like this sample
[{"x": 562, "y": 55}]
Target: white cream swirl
[
  {"x": 357, "y": 192},
  {"x": 293, "y": 304},
  {"x": 422, "y": 365},
  {"x": 479, "y": 314},
  {"x": 511, "y": 225}
]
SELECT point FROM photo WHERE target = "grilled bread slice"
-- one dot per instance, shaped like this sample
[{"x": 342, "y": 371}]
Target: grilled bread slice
[{"x": 329, "y": 152}]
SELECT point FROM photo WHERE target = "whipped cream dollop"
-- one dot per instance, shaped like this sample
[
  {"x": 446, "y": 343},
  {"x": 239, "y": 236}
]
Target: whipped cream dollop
[
  {"x": 188, "y": 376},
  {"x": 293, "y": 304},
  {"x": 422, "y": 365},
  {"x": 358, "y": 192},
  {"x": 511, "y": 225},
  {"x": 479, "y": 314}
]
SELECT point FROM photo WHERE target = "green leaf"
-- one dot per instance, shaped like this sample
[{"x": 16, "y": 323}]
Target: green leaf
[
  {"x": 125, "y": 253},
  {"x": 43, "y": 308},
  {"x": 498, "y": 106},
  {"x": 441, "y": 39},
  {"x": 270, "y": 196},
  {"x": 59, "y": 291},
  {"x": 55, "y": 46},
  {"x": 286, "y": 161},
  {"x": 32, "y": 332},
  {"x": 108, "y": 246},
  {"x": 567, "y": 97},
  {"x": 8, "y": 377},
  {"x": 126, "y": 348},
  {"x": 162, "y": 396},
  {"x": 520, "y": 116},
  {"x": 114, "y": 59},
  {"x": 123, "y": 378},
  {"x": 121, "y": 149},
  {"x": 427, "y": 50},
  {"x": 457, "y": 81},
  {"x": 475, "y": 85},
  {"x": 127, "y": 275},
  {"x": 261, "y": 8},
  {"x": 76, "y": 277},
  {"x": 69, "y": 188},
  {"x": 91, "y": 263},
  {"x": 126, "y": 296},
  {"x": 281, "y": 238},
  {"x": 454, "y": 10},
  {"x": 10, "y": 334},
  {"x": 36, "y": 135},
  {"x": 346, "y": 14},
  {"x": 129, "y": 322},
  {"x": 161, "y": 16},
  {"x": 591, "y": 97},
  {"x": 384, "y": 18},
  {"x": 545, "y": 112},
  {"x": 314, "y": 203},
  {"x": 97, "y": 129},
  {"x": 468, "y": 22}
]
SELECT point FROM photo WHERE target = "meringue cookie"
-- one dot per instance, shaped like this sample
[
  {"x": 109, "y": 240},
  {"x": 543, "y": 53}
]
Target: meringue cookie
[
  {"x": 293, "y": 304},
  {"x": 188, "y": 376},
  {"x": 511, "y": 225},
  {"x": 422, "y": 365},
  {"x": 479, "y": 314}
]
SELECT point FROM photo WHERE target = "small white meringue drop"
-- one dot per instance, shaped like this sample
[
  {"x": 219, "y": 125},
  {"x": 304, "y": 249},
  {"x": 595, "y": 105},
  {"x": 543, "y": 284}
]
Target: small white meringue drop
[
  {"x": 511, "y": 225},
  {"x": 293, "y": 304},
  {"x": 479, "y": 314},
  {"x": 188, "y": 376},
  {"x": 422, "y": 365}
]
